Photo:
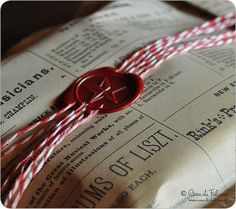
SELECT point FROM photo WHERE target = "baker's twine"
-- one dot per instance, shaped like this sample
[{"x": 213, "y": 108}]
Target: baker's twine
[{"x": 53, "y": 129}]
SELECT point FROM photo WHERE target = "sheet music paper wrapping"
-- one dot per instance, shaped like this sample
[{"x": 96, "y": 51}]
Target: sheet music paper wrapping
[
  {"x": 218, "y": 7},
  {"x": 172, "y": 148}
]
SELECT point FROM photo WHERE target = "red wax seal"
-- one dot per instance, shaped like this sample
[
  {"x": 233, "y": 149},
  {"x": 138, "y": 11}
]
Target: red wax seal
[{"x": 105, "y": 90}]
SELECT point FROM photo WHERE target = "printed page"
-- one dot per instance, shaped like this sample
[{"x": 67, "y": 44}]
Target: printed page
[
  {"x": 217, "y": 7},
  {"x": 173, "y": 148}
]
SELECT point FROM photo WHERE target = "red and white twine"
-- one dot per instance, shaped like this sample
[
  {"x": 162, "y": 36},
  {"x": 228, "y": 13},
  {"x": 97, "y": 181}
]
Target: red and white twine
[
  {"x": 132, "y": 64},
  {"x": 53, "y": 129}
]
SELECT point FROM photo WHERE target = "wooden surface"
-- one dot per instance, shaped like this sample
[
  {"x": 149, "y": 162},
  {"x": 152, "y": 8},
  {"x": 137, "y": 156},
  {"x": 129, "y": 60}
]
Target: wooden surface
[{"x": 223, "y": 201}]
